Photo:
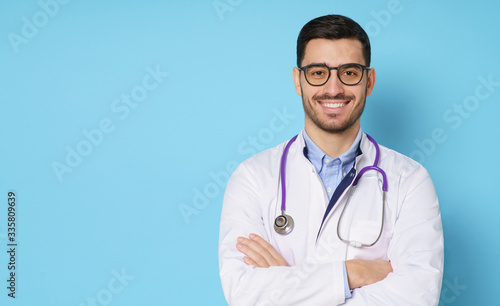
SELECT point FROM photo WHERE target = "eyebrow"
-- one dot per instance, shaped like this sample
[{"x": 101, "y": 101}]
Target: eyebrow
[{"x": 317, "y": 64}]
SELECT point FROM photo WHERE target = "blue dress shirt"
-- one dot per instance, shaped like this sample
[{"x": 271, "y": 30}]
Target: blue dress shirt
[{"x": 331, "y": 170}]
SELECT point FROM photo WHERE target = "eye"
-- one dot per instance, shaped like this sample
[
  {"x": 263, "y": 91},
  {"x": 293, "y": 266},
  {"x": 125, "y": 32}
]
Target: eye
[
  {"x": 317, "y": 72},
  {"x": 351, "y": 71}
]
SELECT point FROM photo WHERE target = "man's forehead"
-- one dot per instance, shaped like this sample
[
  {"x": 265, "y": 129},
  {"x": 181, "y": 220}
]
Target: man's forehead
[{"x": 321, "y": 50}]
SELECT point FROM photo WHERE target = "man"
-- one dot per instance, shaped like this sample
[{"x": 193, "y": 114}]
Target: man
[{"x": 367, "y": 247}]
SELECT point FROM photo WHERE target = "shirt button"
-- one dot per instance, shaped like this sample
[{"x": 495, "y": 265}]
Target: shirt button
[
  {"x": 327, "y": 161},
  {"x": 329, "y": 190},
  {"x": 345, "y": 173}
]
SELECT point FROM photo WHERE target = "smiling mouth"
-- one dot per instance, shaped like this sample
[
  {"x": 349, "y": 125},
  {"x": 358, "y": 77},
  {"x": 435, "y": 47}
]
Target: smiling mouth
[{"x": 334, "y": 105}]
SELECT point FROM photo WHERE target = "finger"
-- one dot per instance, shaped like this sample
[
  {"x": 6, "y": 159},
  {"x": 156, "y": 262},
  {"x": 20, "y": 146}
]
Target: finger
[
  {"x": 261, "y": 250},
  {"x": 250, "y": 262},
  {"x": 262, "y": 242},
  {"x": 278, "y": 260},
  {"x": 256, "y": 257}
]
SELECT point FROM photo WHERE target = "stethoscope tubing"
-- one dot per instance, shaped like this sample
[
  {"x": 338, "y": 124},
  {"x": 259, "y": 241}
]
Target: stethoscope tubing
[
  {"x": 282, "y": 172},
  {"x": 355, "y": 243},
  {"x": 284, "y": 223}
]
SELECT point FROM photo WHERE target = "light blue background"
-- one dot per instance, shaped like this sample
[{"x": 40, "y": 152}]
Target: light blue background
[{"x": 229, "y": 73}]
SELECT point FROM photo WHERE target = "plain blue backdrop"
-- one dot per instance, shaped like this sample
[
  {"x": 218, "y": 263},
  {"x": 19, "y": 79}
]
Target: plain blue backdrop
[{"x": 122, "y": 120}]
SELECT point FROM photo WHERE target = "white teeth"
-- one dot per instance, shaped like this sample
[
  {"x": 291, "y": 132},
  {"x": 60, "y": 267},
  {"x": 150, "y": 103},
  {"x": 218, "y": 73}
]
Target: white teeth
[{"x": 333, "y": 105}]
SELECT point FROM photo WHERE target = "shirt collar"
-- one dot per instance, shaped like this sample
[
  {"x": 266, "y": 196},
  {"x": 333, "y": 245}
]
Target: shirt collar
[{"x": 317, "y": 156}]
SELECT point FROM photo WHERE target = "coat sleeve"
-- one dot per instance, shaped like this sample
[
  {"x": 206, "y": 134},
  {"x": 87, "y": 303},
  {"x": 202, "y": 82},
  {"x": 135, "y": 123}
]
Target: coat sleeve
[
  {"x": 304, "y": 284},
  {"x": 416, "y": 250}
]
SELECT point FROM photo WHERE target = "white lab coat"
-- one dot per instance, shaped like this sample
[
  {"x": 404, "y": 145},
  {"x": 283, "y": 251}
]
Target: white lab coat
[{"x": 412, "y": 237}]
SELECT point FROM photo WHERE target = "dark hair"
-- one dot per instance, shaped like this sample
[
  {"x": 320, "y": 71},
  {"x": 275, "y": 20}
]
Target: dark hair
[{"x": 332, "y": 27}]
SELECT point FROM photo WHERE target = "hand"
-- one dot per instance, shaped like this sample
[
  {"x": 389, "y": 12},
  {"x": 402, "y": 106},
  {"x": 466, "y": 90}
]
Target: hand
[
  {"x": 365, "y": 272},
  {"x": 259, "y": 253}
]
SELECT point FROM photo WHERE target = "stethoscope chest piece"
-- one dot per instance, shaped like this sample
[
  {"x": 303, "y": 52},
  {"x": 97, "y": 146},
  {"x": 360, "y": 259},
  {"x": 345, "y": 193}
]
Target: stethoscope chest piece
[{"x": 283, "y": 224}]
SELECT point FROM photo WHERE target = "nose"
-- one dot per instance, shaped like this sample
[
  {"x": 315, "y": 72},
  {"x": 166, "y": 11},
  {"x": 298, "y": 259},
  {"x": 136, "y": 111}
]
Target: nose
[{"x": 333, "y": 86}]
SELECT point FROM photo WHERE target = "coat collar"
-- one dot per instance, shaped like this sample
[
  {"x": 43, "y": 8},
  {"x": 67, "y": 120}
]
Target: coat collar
[{"x": 364, "y": 157}]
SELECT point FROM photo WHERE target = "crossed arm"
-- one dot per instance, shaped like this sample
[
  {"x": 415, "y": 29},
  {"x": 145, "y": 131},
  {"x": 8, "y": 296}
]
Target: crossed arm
[
  {"x": 260, "y": 254},
  {"x": 415, "y": 251}
]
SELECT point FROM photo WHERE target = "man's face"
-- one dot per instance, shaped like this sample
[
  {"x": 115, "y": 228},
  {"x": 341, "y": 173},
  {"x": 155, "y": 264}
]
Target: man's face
[{"x": 333, "y": 107}]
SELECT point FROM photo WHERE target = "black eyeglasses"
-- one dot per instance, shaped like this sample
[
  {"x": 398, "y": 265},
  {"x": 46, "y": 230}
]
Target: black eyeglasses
[{"x": 349, "y": 74}]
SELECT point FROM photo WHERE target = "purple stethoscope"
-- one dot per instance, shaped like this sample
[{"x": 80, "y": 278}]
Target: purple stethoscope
[{"x": 283, "y": 224}]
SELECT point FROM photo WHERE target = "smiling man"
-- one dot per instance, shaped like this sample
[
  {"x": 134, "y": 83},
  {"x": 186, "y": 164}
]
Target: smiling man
[{"x": 330, "y": 217}]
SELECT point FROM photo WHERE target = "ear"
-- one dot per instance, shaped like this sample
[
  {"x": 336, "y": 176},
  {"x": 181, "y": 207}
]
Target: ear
[
  {"x": 372, "y": 77},
  {"x": 296, "y": 80}
]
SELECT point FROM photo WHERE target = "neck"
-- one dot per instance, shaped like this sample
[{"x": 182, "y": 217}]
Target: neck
[{"x": 333, "y": 144}]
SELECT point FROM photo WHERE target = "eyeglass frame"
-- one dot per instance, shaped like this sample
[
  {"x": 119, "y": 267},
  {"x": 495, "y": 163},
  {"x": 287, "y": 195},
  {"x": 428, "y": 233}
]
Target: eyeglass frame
[{"x": 363, "y": 68}]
